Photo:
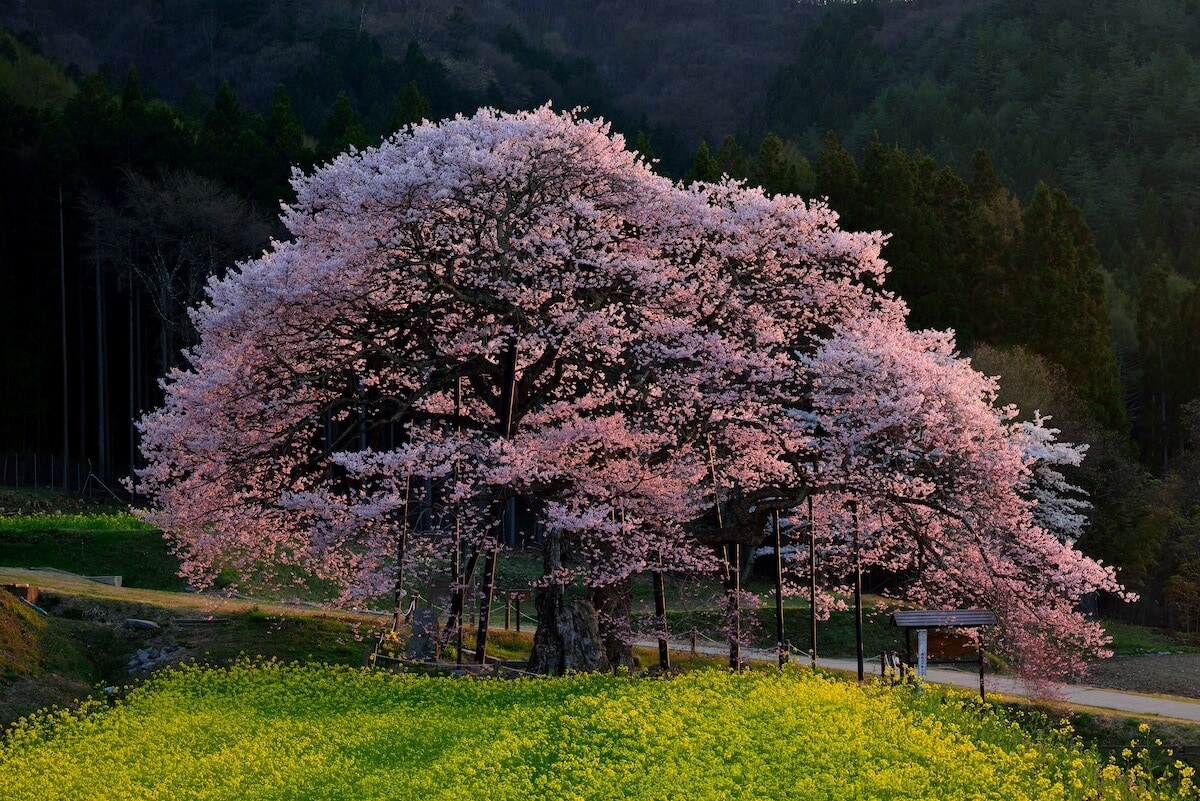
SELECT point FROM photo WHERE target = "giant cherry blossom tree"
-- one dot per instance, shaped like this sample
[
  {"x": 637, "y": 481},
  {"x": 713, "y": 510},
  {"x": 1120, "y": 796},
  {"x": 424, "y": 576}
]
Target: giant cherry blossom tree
[{"x": 514, "y": 306}]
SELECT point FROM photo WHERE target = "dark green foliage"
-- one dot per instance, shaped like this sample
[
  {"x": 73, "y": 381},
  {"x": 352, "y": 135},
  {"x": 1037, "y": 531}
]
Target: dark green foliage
[
  {"x": 352, "y": 62},
  {"x": 143, "y": 558},
  {"x": 780, "y": 169},
  {"x": 927, "y": 211},
  {"x": 1156, "y": 321},
  {"x": 1059, "y": 291},
  {"x": 228, "y": 147},
  {"x": 414, "y": 107},
  {"x": 641, "y": 146},
  {"x": 283, "y": 149},
  {"x": 1100, "y": 99},
  {"x": 704, "y": 166},
  {"x": 342, "y": 131},
  {"x": 842, "y": 52},
  {"x": 837, "y": 179},
  {"x": 731, "y": 159}
]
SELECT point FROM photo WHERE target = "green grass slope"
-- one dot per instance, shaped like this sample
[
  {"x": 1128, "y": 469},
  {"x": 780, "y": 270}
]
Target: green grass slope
[
  {"x": 70, "y": 532},
  {"x": 20, "y": 654}
]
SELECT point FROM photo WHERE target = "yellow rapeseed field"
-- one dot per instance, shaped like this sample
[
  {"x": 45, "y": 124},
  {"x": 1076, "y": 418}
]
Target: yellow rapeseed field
[{"x": 274, "y": 731}]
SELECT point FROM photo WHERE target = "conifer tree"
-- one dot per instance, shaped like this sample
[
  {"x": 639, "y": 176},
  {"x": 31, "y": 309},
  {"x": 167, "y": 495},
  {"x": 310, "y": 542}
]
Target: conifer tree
[
  {"x": 414, "y": 107},
  {"x": 1156, "y": 329},
  {"x": 731, "y": 159},
  {"x": 704, "y": 166},
  {"x": 342, "y": 130},
  {"x": 837, "y": 179},
  {"x": 1058, "y": 289}
]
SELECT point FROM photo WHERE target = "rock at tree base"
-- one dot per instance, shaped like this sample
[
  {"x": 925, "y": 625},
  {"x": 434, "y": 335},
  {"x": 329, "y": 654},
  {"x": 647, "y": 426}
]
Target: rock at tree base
[{"x": 422, "y": 645}]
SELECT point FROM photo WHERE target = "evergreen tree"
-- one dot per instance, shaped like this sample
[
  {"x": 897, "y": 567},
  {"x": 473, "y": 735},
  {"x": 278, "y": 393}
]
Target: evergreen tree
[
  {"x": 284, "y": 148},
  {"x": 926, "y": 211},
  {"x": 995, "y": 228},
  {"x": 414, "y": 107},
  {"x": 1059, "y": 291},
  {"x": 225, "y": 145},
  {"x": 704, "y": 166},
  {"x": 781, "y": 170},
  {"x": 641, "y": 146},
  {"x": 837, "y": 179},
  {"x": 154, "y": 135},
  {"x": 1189, "y": 345},
  {"x": 342, "y": 130},
  {"x": 985, "y": 184},
  {"x": 731, "y": 159},
  {"x": 1156, "y": 321}
]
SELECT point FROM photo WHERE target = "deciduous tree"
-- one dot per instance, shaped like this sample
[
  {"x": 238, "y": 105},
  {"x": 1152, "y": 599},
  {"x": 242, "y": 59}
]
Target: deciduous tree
[{"x": 515, "y": 306}]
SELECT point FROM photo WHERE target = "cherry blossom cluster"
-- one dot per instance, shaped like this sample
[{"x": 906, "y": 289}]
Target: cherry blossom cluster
[{"x": 515, "y": 306}]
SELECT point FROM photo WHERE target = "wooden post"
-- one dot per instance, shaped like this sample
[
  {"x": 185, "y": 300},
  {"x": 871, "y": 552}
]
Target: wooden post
[
  {"x": 858, "y": 622},
  {"x": 508, "y": 407},
  {"x": 518, "y": 613},
  {"x": 401, "y": 552},
  {"x": 780, "y": 636},
  {"x": 456, "y": 600},
  {"x": 733, "y": 571},
  {"x": 454, "y": 621},
  {"x": 507, "y": 611},
  {"x": 485, "y": 606},
  {"x": 660, "y": 611},
  {"x": 812, "y": 581},
  {"x": 982, "y": 694}
]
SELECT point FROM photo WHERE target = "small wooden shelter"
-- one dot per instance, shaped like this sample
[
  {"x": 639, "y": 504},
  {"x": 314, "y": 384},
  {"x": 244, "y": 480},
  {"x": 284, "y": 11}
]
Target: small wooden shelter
[{"x": 924, "y": 621}]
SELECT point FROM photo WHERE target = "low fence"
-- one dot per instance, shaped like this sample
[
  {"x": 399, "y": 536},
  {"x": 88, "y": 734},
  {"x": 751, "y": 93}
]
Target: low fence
[{"x": 51, "y": 471}]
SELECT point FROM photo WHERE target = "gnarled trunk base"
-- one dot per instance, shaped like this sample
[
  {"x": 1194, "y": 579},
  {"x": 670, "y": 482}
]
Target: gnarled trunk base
[
  {"x": 567, "y": 637},
  {"x": 613, "y": 602}
]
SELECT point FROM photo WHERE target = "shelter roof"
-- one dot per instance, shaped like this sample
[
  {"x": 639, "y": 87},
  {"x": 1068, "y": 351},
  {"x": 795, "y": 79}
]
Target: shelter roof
[{"x": 938, "y": 618}]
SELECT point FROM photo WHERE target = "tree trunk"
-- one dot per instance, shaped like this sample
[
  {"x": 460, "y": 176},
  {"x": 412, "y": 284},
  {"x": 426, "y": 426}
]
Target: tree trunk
[
  {"x": 612, "y": 603},
  {"x": 567, "y": 637},
  {"x": 102, "y": 450},
  {"x": 62, "y": 298}
]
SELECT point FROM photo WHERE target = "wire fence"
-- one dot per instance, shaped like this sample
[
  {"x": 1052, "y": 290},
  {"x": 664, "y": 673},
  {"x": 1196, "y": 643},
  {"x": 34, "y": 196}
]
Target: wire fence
[{"x": 34, "y": 471}]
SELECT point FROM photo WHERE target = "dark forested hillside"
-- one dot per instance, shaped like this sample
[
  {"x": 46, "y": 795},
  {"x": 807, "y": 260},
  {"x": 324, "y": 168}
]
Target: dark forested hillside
[
  {"x": 701, "y": 64},
  {"x": 1101, "y": 99},
  {"x": 1035, "y": 163}
]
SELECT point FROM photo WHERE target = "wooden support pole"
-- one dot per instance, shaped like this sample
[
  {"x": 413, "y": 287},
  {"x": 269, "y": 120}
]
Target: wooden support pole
[
  {"x": 734, "y": 555},
  {"x": 858, "y": 619},
  {"x": 485, "y": 606},
  {"x": 812, "y": 581},
  {"x": 982, "y": 693},
  {"x": 781, "y": 646},
  {"x": 508, "y": 404},
  {"x": 660, "y": 611},
  {"x": 401, "y": 553}
]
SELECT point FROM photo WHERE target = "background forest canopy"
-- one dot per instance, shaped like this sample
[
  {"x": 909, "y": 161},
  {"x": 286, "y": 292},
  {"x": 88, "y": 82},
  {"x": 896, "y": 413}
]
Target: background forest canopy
[{"x": 1034, "y": 162}]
